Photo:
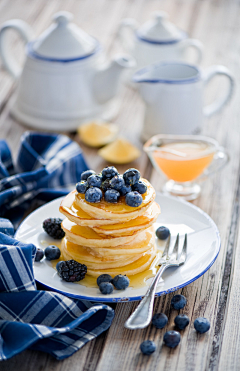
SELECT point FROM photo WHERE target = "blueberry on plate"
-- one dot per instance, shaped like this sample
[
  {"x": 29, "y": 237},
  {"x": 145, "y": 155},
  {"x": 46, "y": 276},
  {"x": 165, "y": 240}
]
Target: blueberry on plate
[
  {"x": 104, "y": 278},
  {"x": 82, "y": 186},
  {"x": 148, "y": 347},
  {"x": 112, "y": 196},
  {"x": 120, "y": 282},
  {"x": 106, "y": 288},
  {"x": 93, "y": 195},
  {"x": 117, "y": 182},
  {"x": 125, "y": 189},
  {"x": 140, "y": 187},
  {"x": 39, "y": 255},
  {"x": 171, "y": 338},
  {"x": 201, "y": 325},
  {"x": 60, "y": 265},
  {"x": 52, "y": 252},
  {"x": 86, "y": 174},
  {"x": 94, "y": 181},
  {"x": 181, "y": 321},
  {"x": 131, "y": 176},
  {"x": 178, "y": 302},
  {"x": 162, "y": 233},
  {"x": 109, "y": 172},
  {"x": 159, "y": 320},
  {"x": 133, "y": 199},
  {"x": 106, "y": 185}
]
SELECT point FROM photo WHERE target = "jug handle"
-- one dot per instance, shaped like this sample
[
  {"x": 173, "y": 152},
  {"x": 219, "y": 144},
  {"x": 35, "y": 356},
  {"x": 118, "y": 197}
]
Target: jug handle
[
  {"x": 127, "y": 24},
  {"x": 219, "y": 103},
  {"x": 25, "y": 31},
  {"x": 196, "y": 44}
]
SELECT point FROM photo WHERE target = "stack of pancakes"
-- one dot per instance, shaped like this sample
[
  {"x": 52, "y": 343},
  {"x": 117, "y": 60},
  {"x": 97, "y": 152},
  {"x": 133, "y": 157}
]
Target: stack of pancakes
[{"x": 110, "y": 238}]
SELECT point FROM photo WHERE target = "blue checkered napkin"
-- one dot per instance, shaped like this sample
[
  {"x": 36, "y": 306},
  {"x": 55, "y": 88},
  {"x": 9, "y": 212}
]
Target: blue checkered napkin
[
  {"x": 47, "y": 165},
  {"x": 49, "y": 322}
]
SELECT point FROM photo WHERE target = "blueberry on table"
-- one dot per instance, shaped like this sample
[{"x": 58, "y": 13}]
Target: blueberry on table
[
  {"x": 159, "y": 320},
  {"x": 201, "y": 325},
  {"x": 106, "y": 288},
  {"x": 94, "y": 181},
  {"x": 39, "y": 255},
  {"x": 140, "y": 187},
  {"x": 131, "y": 176},
  {"x": 93, "y": 195},
  {"x": 181, "y": 321},
  {"x": 117, "y": 182},
  {"x": 162, "y": 233},
  {"x": 133, "y": 199},
  {"x": 104, "y": 278},
  {"x": 178, "y": 302},
  {"x": 125, "y": 189},
  {"x": 171, "y": 338},
  {"x": 52, "y": 226},
  {"x": 72, "y": 271},
  {"x": 82, "y": 186},
  {"x": 86, "y": 174},
  {"x": 148, "y": 347},
  {"x": 109, "y": 172},
  {"x": 120, "y": 282},
  {"x": 112, "y": 196},
  {"x": 52, "y": 252},
  {"x": 106, "y": 185}
]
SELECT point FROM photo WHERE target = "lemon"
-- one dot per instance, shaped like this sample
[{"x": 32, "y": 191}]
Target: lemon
[
  {"x": 97, "y": 134},
  {"x": 121, "y": 151}
]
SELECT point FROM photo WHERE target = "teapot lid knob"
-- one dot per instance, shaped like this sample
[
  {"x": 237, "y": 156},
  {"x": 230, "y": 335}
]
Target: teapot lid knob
[
  {"x": 63, "y": 17},
  {"x": 159, "y": 16}
]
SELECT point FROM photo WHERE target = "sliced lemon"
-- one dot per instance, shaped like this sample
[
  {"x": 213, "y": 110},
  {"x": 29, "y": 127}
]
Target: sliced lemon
[
  {"x": 97, "y": 134},
  {"x": 121, "y": 151}
]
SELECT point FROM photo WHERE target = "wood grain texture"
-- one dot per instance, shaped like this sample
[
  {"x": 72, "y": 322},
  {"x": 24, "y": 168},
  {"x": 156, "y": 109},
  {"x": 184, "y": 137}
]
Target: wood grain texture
[{"x": 216, "y": 294}]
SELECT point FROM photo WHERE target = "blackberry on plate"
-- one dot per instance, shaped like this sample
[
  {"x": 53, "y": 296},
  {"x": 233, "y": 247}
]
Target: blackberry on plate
[
  {"x": 112, "y": 196},
  {"x": 131, "y": 176},
  {"x": 178, "y": 302},
  {"x": 162, "y": 233},
  {"x": 72, "y": 271},
  {"x": 82, "y": 186},
  {"x": 117, "y": 182},
  {"x": 52, "y": 252},
  {"x": 159, "y": 320},
  {"x": 104, "y": 278},
  {"x": 59, "y": 264},
  {"x": 181, "y": 321},
  {"x": 148, "y": 347},
  {"x": 94, "y": 181},
  {"x": 39, "y": 255},
  {"x": 106, "y": 185},
  {"x": 109, "y": 172},
  {"x": 140, "y": 187},
  {"x": 93, "y": 195},
  {"x": 201, "y": 325},
  {"x": 120, "y": 282},
  {"x": 171, "y": 338},
  {"x": 125, "y": 189},
  {"x": 52, "y": 226},
  {"x": 86, "y": 174},
  {"x": 133, "y": 199},
  {"x": 106, "y": 288}
]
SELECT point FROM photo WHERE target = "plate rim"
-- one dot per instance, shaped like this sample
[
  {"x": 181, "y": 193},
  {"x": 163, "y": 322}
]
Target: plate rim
[{"x": 137, "y": 298}]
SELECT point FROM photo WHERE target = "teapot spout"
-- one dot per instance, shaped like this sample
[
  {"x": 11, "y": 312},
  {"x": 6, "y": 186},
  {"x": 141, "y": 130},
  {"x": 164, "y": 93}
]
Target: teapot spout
[{"x": 107, "y": 80}]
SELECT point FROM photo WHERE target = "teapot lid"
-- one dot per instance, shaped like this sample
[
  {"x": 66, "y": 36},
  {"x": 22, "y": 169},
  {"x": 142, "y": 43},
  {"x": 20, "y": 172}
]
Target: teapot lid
[
  {"x": 63, "y": 40},
  {"x": 160, "y": 31}
]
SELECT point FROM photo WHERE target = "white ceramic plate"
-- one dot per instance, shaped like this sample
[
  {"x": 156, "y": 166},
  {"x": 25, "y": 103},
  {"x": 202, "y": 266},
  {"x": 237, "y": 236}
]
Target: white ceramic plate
[{"x": 179, "y": 216}]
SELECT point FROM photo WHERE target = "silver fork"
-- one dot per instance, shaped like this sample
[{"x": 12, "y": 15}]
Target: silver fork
[{"x": 142, "y": 315}]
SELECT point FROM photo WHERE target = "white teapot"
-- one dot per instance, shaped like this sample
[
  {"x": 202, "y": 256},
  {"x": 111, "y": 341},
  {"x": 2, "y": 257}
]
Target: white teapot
[
  {"x": 65, "y": 79},
  {"x": 156, "y": 40}
]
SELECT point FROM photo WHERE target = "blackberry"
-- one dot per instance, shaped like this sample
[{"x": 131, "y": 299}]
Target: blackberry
[
  {"x": 72, "y": 271},
  {"x": 52, "y": 226}
]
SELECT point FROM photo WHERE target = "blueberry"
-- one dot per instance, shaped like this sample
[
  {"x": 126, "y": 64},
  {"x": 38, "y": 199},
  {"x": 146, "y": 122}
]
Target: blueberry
[
  {"x": 140, "y": 187},
  {"x": 106, "y": 288},
  {"x": 171, "y": 339},
  {"x": 159, "y": 320},
  {"x": 39, "y": 255},
  {"x": 181, "y": 321},
  {"x": 120, "y": 282},
  {"x": 82, "y": 186},
  {"x": 94, "y": 181},
  {"x": 93, "y": 195},
  {"x": 104, "y": 278},
  {"x": 105, "y": 185},
  {"x": 86, "y": 174},
  {"x": 117, "y": 182},
  {"x": 162, "y": 233},
  {"x": 112, "y": 196},
  {"x": 125, "y": 189},
  {"x": 59, "y": 265},
  {"x": 148, "y": 347},
  {"x": 178, "y": 302},
  {"x": 201, "y": 325},
  {"x": 52, "y": 252},
  {"x": 131, "y": 176},
  {"x": 109, "y": 172},
  {"x": 133, "y": 199}
]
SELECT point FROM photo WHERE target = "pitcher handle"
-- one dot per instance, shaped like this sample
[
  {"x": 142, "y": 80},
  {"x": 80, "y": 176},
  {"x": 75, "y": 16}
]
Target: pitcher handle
[
  {"x": 25, "y": 31},
  {"x": 220, "y": 160},
  {"x": 219, "y": 103},
  {"x": 127, "y": 24},
  {"x": 197, "y": 45}
]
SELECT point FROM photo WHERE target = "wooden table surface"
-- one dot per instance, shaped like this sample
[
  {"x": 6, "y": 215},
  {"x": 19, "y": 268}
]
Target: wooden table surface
[{"x": 216, "y": 295}]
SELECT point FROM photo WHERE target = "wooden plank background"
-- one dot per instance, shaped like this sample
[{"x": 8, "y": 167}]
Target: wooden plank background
[{"x": 216, "y": 295}]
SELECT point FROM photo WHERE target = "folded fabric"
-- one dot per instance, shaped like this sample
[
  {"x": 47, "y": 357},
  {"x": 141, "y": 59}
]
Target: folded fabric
[{"x": 47, "y": 167}]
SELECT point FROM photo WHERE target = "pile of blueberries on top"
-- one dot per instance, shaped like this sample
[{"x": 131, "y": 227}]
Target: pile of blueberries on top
[{"x": 111, "y": 185}]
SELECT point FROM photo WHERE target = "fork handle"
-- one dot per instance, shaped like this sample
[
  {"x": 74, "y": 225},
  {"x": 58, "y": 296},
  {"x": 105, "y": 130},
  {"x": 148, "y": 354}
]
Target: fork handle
[{"x": 142, "y": 315}]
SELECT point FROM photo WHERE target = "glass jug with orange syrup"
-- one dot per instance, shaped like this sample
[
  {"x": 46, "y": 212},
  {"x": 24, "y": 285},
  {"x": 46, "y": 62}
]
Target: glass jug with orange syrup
[{"x": 185, "y": 160}]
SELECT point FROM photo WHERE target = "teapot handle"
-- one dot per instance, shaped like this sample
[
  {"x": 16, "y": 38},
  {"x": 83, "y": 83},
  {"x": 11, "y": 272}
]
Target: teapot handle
[
  {"x": 8, "y": 60},
  {"x": 127, "y": 24},
  {"x": 196, "y": 44}
]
